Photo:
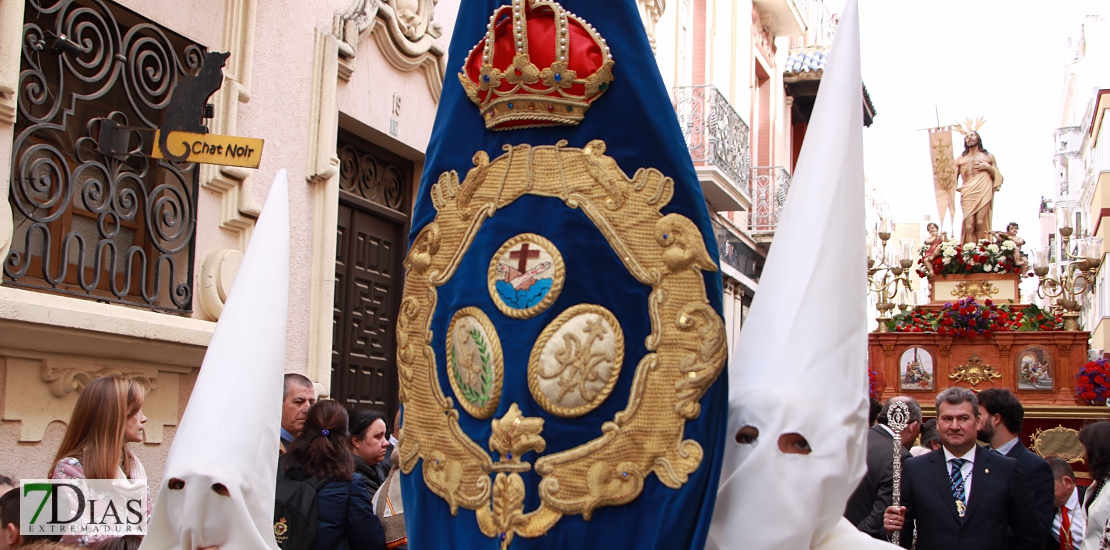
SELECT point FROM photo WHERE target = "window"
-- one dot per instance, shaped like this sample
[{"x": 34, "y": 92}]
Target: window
[{"x": 111, "y": 227}]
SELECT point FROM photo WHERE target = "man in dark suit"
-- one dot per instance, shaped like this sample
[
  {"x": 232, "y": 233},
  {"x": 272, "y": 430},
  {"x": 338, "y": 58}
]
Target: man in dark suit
[
  {"x": 874, "y": 494},
  {"x": 961, "y": 497},
  {"x": 1000, "y": 417},
  {"x": 1070, "y": 519}
]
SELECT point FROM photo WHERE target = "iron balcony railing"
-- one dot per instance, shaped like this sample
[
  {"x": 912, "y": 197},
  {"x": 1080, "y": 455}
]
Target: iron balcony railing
[
  {"x": 769, "y": 187},
  {"x": 714, "y": 132}
]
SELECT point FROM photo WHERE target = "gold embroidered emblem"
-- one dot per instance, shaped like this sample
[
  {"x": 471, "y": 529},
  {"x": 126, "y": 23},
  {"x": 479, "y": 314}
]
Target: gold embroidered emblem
[
  {"x": 576, "y": 361},
  {"x": 475, "y": 363},
  {"x": 526, "y": 276},
  {"x": 685, "y": 349},
  {"x": 280, "y": 530}
]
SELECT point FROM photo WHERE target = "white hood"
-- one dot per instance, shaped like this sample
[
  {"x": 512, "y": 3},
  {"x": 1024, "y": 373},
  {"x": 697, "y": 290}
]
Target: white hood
[
  {"x": 800, "y": 363},
  {"x": 229, "y": 434}
]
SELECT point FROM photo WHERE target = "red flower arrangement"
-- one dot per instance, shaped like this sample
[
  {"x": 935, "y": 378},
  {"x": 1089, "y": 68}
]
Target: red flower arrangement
[
  {"x": 872, "y": 383},
  {"x": 1093, "y": 382},
  {"x": 968, "y": 318}
]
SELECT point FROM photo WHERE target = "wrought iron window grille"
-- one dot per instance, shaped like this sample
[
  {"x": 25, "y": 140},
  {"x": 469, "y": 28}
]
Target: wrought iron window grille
[{"x": 116, "y": 228}]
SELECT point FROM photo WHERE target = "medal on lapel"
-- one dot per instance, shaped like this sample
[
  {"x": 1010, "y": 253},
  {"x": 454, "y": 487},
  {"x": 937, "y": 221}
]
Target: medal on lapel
[{"x": 960, "y": 508}]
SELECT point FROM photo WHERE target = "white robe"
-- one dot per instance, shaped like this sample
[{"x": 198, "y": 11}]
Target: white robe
[{"x": 845, "y": 536}]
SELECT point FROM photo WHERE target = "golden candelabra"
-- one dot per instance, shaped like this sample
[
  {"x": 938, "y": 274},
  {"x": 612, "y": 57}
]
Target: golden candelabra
[
  {"x": 1079, "y": 274},
  {"x": 888, "y": 273}
]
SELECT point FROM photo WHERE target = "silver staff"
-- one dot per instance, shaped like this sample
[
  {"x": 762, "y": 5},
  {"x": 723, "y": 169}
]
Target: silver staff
[{"x": 898, "y": 417}]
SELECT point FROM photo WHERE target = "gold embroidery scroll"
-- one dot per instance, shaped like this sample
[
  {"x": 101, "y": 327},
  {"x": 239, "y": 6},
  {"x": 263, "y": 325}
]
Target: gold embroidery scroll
[{"x": 686, "y": 347}]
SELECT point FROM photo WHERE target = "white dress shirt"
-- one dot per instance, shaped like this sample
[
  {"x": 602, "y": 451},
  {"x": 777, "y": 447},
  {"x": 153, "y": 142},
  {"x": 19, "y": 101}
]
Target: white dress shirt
[
  {"x": 965, "y": 470},
  {"x": 1005, "y": 448},
  {"x": 1076, "y": 516},
  {"x": 887, "y": 428}
]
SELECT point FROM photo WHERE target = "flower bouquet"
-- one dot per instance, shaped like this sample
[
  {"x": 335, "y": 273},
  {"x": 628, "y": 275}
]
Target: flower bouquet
[
  {"x": 982, "y": 257},
  {"x": 1093, "y": 383}
]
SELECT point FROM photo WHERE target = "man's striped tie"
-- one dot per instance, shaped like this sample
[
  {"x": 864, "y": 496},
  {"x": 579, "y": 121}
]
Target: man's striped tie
[{"x": 956, "y": 480}]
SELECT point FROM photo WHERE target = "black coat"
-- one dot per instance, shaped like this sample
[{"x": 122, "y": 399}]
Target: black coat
[
  {"x": 372, "y": 476},
  {"x": 345, "y": 517},
  {"x": 1038, "y": 475},
  {"x": 1000, "y": 511},
  {"x": 874, "y": 494}
]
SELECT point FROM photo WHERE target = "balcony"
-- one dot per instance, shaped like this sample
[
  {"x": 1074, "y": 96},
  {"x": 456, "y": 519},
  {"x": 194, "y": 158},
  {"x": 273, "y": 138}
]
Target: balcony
[
  {"x": 769, "y": 187},
  {"x": 717, "y": 139},
  {"x": 782, "y": 17}
]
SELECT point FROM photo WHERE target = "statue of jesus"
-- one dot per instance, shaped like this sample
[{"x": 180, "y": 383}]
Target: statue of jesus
[{"x": 980, "y": 179}]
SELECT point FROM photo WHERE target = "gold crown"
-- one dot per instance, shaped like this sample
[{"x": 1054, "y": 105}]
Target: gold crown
[{"x": 518, "y": 94}]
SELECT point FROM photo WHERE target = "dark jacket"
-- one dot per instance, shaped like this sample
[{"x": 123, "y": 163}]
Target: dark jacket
[
  {"x": 874, "y": 494},
  {"x": 345, "y": 517},
  {"x": 372, "y": 476},
  {"x": 1000, "y": 512},
  {"x": 1038, "y": 475}
]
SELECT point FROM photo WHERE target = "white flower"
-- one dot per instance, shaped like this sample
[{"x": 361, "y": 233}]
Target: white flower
[
  {"x": 969, "y": 246},
  {"x": 1008, "y": 245},
  {"x": 993, "y": 248},
  {"x": 948, "y": 252},
  {"x": 947, "y": 260},
  {"x": 987, "y": 267}
]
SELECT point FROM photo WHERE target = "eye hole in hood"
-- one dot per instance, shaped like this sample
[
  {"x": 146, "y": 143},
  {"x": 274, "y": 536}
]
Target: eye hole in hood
[
  {"x": 794, "y": 444},
  {"x": 747, "y": 435}
]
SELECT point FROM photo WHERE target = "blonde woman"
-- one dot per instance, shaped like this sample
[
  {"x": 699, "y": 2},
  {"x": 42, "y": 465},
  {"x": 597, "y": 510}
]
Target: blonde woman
[{"x": 108, "y": 417}]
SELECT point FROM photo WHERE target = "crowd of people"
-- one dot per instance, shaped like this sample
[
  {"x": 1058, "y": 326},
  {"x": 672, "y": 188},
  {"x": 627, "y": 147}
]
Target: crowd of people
[
  {"x": 971, "y": 483},
  {"x": 966, "y": 478},
  {"x": 346, "y": 459}
]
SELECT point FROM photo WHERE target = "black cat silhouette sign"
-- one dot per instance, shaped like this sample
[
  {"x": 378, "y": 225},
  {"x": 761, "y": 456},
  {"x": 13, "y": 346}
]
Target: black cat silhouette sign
[
  {"x": 184, "y": 137},
  {"x": 209, "y": 149}
]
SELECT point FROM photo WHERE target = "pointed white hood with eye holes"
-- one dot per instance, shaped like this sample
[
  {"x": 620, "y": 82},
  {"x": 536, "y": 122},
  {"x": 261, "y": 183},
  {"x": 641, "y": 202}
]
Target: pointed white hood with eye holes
[
  {"x": 800, "y": 366},
  {"x": 218, "y": 487}
]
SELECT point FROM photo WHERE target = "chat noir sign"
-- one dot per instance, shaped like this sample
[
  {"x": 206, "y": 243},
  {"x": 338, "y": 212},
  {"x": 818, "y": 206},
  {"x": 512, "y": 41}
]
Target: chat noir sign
[
  {"x": 212, "y": 149},
  {"x": 82, "y": 507}
]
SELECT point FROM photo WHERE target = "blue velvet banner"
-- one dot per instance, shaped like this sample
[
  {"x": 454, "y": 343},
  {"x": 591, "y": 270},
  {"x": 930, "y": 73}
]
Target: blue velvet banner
[{"x": 636, "y": 119}]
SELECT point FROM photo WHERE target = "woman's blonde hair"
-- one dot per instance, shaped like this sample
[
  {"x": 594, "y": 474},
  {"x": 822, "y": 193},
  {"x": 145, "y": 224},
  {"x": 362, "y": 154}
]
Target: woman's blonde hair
[{"x": 95, "y": 434}]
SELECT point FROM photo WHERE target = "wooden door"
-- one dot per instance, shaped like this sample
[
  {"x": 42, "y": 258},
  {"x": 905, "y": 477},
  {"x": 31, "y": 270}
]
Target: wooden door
[{"x": 368, "y": 285}]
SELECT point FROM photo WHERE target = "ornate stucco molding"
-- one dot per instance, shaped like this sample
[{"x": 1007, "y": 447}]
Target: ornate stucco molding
[
  {"x": 238, "y": 207},
  {"x": 63, "y": 380},
  {"x": 42, "y": 388},
  {"x": 404, "y": 30},
  {"x": 650, "y": 12},
  {"x": 322, "y": 174},
  {"x": 11, "y": 39}
]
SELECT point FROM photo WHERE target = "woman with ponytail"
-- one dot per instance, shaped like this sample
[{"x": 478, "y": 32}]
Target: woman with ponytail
[
  {"x": 108, "y": 417},
  {"x": 345, "y": 516}
]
